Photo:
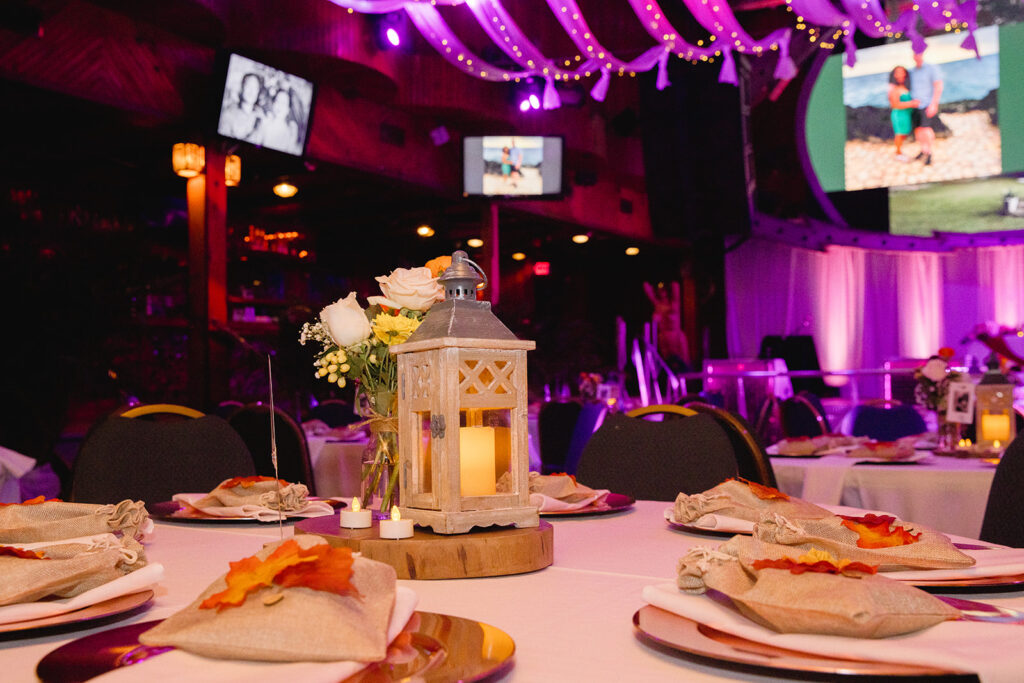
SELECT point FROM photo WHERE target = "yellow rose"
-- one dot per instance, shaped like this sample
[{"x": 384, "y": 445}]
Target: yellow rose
[{"x": 393, "y": 329}]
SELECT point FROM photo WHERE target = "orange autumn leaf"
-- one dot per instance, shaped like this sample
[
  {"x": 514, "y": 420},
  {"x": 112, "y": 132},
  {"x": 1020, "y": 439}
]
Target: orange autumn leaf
[
  {"x": 18, "y": 552},
  {"x": 820, "y": 567},
  {"x": 761, "y": 491},
  {"x": 330, "y": 571},
  {"x": 874, "y": 531},
  {"x": 38, "y": 500},
  {"x": 251, "y": 574},
  {"x": 247, "y": 482}
]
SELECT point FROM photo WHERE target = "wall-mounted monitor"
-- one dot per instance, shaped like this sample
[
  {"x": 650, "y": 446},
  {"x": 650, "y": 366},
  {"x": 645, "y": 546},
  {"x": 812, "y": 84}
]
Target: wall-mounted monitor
[
  {"x": 265, "y": 106},
  {"x": 511, "y": 166}
]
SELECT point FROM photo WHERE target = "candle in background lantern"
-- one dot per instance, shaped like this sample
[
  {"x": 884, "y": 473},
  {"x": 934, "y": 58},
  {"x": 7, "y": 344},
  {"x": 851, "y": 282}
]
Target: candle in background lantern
[
  {"x": 356, "y": 518},
  {"x": 476, "y": 461},
  {"x": 995, "y": 427},
  {"x": 396, "y": 527}
]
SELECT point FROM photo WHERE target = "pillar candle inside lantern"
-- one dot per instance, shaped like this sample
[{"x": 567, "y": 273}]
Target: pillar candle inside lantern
[
  {"x": 476, "y": 461},
  {"x": 995, "y": 428}
]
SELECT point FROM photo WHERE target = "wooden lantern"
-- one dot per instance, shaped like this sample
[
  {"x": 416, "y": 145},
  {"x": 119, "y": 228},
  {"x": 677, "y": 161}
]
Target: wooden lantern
[
  {"x": 462, "y": 414},
  {"x": 996, "y": 420}
]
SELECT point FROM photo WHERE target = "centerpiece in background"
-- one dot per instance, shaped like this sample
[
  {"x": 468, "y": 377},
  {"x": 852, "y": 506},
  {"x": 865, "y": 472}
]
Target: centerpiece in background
[
  {"x": 462, "y": 413},
  {"x": 356, "y": 346},
  {"x": 934, "y": 380}
]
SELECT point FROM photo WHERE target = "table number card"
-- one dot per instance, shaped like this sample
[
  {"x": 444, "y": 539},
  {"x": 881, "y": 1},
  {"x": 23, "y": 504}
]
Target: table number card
[{"x": 961, "y": 403}]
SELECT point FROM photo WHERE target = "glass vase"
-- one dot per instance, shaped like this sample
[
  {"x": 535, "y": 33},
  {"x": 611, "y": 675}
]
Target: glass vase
[
  {"x": 950, "y": 434},
  {"x": 380, "y": 472}
]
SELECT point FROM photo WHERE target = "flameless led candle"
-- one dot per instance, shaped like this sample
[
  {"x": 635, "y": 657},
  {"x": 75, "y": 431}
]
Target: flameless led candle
[
  {"x": 476, "y": 461},
  {"x": 396, "y": 527},
  {"x": 356, "y": 518},
  {"x": 995, "y": 428}
]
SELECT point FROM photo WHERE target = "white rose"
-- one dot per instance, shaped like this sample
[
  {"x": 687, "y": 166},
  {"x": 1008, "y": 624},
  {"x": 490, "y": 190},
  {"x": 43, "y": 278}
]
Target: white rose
[
  {"x": 934, "y": 369},
  {"x": 346, "y": 321},
  {"x": 414, "y": 288}
]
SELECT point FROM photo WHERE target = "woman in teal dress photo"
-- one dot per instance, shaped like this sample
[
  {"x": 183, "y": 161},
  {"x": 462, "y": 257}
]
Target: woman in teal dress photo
[{"x": 902, "y": 105}]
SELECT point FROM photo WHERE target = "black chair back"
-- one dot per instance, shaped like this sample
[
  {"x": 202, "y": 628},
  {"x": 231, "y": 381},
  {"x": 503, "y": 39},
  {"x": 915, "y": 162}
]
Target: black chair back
[
  {"x": 293, "y": 463},
  {"x": 153, "y": 460},
  {"x": 555, "y": 424},
  {"x": 1004, "y": 513},
  {"x": 657, "y": 460},
  {"x": 886, "y": 422},
  {"x": 334, "y": 413},
  {"x": 751, "y": 460},
  {"x": 803, "y": 416},
  {"x": 591, "y": 415}
]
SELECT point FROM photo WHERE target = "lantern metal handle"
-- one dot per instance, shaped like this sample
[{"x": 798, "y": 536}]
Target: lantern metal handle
[{"x": 478, "y": 269}]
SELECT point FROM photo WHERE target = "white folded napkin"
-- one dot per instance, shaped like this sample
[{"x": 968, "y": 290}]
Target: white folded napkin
[
  {"x": 988, "y": 563},
  {"x": 549, "y": 504},
  {"x": 178, "y": 665},
  {"x": 134, "y": 582},
  {"x": 990, "y": 650},
  {"x": 313, "y": 508},
  {"x": 711, "y": 521},
  {"x": 13, "y": 466}
]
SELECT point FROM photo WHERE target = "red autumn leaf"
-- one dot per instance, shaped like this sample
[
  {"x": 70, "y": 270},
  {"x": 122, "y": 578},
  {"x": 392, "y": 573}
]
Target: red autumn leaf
[
  {"x": 331, "y": 571},
  {"x": 251, "y": 574},
  {"x": 247, "y": 482},
  {"x": 38, "y": 500},
  {"x": 760, "y": 490},
  {"x": 820, "y": 567},
  {"x": 874, "y": 531},
  {"x": 18, "y": 552}
]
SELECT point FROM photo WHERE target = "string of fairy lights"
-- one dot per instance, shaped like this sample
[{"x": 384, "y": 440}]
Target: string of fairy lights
[{"x": 824, "y": 22}]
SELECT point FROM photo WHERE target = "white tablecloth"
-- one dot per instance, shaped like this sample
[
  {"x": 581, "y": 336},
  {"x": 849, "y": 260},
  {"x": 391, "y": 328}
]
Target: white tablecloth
[
  {"x": 570, "y": 622},
  {"x": 947, "y": 494}
]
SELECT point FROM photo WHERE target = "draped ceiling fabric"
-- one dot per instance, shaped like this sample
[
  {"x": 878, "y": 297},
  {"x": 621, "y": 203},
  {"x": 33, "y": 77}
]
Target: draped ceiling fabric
[{"x": 864, "y": 307}]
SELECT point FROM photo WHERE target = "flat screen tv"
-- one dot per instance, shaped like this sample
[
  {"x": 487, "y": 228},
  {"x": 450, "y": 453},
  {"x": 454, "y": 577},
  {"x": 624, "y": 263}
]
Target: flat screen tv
[
  {"x": 265, "y": 106},
  {"x": 511, "y": 166}
]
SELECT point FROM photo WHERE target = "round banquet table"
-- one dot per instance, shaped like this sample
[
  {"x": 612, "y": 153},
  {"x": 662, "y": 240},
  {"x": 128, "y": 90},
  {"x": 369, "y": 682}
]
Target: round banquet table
[
  {"x": 570, "y": 622},
  {"x": 947, "y": 494}
]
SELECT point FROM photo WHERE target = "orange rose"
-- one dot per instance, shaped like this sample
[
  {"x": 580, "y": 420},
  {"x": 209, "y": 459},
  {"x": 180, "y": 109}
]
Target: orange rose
[{"x": 439, "y": 265}]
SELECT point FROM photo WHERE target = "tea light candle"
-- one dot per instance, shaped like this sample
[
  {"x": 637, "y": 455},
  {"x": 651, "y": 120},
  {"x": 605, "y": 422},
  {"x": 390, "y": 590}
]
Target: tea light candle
[
  {"x": 476, "y": 461},
  {"x": 356, "y": 517},
  {"x": 396, "y": 527}
]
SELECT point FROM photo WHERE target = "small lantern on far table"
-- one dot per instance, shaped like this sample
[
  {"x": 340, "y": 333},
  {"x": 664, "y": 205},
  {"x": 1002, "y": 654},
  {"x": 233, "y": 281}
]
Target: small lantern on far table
[
  {"x": 462, "y": 414},
  {"x": 996, "y": 423}
]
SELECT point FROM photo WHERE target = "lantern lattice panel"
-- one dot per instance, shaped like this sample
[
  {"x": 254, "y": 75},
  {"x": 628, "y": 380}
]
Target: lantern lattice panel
[{"x": 486, "y": 381}]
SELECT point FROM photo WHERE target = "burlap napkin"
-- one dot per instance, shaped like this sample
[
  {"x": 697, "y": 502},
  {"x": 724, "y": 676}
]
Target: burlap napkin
[
  {"x": 302, "y": 625},
  {"x": 258, "y": 497},
  {"x": 813, "y": 595},
  {"x": 63, "y": 569},
  {"x": 742, "y": 499},
  {"x": 55, "y": 520},
  {"x": 901, "y": 449},
  {"x": 922, "y": 548},
  {"x": 561, "y": 492}
]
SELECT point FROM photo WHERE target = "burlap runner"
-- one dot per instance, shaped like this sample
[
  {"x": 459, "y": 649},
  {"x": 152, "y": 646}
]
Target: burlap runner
[
  {"x": 931, "y": 550},
  {"x": 736, "y": 498},
  {"x": 860, "y": 605},
  {"x": 57, "y": 520},
  {"x": 305, "y": 625}
]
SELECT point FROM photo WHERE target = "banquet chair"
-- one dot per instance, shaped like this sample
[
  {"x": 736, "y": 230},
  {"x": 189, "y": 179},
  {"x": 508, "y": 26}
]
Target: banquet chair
[
  {"x": 151, "y": 461},
  {"x": 801, "y": 417},
  {"x": 161, "y": 411},
  {"x": 293, "y": 462},
  {"x": 334, "y": 413},
  {"x": 591, "y": 416},
  {"x": 1004, "y": 511},
  {"x": 226, "y": 409},
  {"x": 556, "y": 423},
  {"x": 885, "y": 421},
  {"x": 751, "y": 460},
  {"x": 687, "y": 452}
]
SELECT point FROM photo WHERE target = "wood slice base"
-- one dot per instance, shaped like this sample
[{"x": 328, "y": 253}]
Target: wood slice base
[{"x": 481, "y": 552}]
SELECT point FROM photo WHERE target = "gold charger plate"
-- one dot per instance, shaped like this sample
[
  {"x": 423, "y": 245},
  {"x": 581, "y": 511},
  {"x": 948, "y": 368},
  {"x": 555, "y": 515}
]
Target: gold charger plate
[
  {"x": 668, "y": 630},
  {"x": 120, "y": 605},
  {"x": 442, "y": 648},
  {"x": 174, "y": 511}
]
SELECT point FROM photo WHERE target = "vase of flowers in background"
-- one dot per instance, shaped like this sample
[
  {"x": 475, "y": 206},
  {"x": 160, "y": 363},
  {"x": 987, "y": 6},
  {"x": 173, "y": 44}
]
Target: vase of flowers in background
[
  {"x": 932, "y": 392},
  {"x": 355, "y": 346}
]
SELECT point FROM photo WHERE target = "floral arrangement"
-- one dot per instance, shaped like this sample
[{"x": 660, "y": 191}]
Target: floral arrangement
[
  {"x": 933, "y": 380},
  {"x": 355, "y": 345}
]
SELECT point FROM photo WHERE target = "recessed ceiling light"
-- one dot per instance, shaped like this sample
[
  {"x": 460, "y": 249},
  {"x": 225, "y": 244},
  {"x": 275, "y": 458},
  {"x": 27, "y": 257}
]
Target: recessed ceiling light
[
  {"x": 581, "y": 239},
  {"x": 285, "y": 190},
  {"x": 475, "y": 242},
  {"x": 632, "y": 251},
  {"x": 425, "y": 231},
  {"x": 518, "y": 256}
]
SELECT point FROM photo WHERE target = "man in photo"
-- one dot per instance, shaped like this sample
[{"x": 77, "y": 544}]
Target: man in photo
[{"x": 926, "y": 88}]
